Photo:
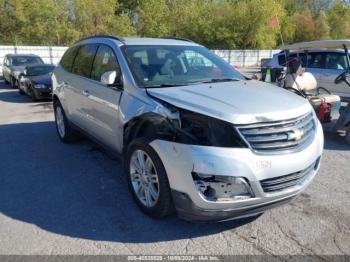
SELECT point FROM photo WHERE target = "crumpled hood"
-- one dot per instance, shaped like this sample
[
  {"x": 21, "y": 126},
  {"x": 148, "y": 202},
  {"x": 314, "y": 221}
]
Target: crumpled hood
[{"x": 240, "y": 102}]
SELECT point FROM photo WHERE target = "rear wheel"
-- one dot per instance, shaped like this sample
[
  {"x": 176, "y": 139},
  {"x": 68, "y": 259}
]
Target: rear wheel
[
  {"x": 64, "y": 130},
  {"x": 148, "y": 181}
]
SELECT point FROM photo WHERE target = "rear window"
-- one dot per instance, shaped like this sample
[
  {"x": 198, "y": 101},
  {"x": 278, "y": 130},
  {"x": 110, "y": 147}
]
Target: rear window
[{"x": 68, "y": 58}]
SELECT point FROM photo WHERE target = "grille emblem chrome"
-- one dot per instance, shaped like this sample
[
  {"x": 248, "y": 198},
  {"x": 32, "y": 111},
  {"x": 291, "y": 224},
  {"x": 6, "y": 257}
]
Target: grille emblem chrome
[{"x": 296, "y": 134}]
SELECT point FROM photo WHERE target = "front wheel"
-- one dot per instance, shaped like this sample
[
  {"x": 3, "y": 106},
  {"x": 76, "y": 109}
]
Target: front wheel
[
  {"x": 347, "y": 135},
  {"x": 20, "y": 90},
  {"x": 147, "y": 179},
  {"x": 13, "y": 83},
  {"x": 64, "y": 130}
]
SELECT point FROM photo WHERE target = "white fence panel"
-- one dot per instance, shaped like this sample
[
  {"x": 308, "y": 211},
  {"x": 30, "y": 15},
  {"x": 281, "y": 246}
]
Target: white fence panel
[{"x": 53, "y": 54}]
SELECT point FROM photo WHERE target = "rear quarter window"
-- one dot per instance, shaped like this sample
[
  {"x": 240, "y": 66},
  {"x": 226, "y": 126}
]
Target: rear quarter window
[{"x": 68, "y": 58}]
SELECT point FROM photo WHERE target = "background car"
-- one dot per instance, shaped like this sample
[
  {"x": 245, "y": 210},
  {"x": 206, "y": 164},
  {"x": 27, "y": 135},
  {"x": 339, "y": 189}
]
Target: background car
[
  {"x": 14, "y": 65},
  {"x": 325, "y": 65},
  {"x": 36, "y": 81}
]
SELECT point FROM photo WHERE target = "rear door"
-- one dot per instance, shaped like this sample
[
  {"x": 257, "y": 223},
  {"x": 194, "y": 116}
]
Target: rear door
[
  {"x": 102, "y": 101},
  {"x": 336, "y": 63}
]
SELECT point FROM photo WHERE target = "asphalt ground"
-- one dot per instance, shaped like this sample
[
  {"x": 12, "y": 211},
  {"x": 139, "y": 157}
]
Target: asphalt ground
[{"x": 73, "y": 199}]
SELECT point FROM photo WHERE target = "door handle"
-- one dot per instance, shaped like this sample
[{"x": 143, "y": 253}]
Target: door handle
[{"x": 86, "y": 93}]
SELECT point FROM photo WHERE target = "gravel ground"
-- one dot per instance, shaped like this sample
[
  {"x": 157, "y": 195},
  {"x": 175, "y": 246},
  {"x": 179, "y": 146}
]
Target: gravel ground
[{"x": 73, "y": 199}]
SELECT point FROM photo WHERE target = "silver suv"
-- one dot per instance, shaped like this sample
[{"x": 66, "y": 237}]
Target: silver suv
[{"x": 196, "y": 136}]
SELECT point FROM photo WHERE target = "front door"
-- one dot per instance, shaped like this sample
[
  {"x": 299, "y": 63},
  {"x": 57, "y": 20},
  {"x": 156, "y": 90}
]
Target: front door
[{"x": 102, "y": 101}]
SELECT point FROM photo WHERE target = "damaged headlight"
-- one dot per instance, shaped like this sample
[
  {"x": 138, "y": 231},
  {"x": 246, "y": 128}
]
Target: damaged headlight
[
  {"x": 222, "y": 188},
  {"x": 203, "y": 130}
]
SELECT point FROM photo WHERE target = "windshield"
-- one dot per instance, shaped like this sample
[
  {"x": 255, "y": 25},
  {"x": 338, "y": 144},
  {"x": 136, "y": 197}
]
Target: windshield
[
  {"x": 25, "y": 60},
  {"x": 157, "y": 66},
  {"x": 39, "y": 70}
]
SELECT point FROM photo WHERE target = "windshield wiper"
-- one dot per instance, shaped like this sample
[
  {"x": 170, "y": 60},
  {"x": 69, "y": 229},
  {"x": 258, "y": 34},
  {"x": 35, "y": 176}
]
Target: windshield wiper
[
  {"x": 164, "y": 85},
  {"x": 217, "y": 80}
]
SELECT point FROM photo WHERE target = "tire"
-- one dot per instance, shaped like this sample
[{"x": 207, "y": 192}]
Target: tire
[
  {"x": 32, "y": 95},
  {"x": 64, "y": 130},
  {"x": 156, "y": 207},
  {"x": 20, "y": 91},
  {"x": 13, "y": 83},
  {"x": 347, "y": 135}
]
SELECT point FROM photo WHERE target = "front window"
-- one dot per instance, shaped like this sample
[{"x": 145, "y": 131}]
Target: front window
[
  {"x": 156, "y": 66},
  {"x": 39, "y": 70},
  {"x": 26, "y": 60}
]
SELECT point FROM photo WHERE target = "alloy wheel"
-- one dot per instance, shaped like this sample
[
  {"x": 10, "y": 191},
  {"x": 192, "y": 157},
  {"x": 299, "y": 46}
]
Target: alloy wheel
[
  {"x": 60, "y": 122},
  {"x": 144, "y": 178}
]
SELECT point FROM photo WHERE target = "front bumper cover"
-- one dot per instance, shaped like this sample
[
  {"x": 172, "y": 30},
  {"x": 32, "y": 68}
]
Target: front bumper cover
[{"x": 181, "y": 160}]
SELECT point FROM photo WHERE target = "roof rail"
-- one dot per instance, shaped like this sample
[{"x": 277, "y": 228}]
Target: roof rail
[
  {"x": 178, "y": 38},
  {"x": 102, "y": 36}
]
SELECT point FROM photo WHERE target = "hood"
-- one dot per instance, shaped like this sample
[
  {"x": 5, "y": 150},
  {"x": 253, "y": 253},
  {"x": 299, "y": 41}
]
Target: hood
[
  {"x": 240, "y": 102},
  {"x": 19, "y": 69},
  {"x": 42, "y": 79}
]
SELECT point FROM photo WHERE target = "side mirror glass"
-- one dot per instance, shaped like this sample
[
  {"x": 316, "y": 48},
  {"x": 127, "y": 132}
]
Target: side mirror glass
[{"x": 109, "y": 77}]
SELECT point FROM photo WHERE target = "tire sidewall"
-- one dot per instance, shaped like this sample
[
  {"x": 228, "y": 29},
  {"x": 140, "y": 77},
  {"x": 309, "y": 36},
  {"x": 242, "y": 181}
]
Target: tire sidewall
[
  {"x": 164, "y": 189},
  {"x": 58, "y": 105}
]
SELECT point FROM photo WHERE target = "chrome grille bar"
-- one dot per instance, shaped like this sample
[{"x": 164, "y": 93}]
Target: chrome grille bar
[
  {"x": 279, "y": 136},
  {"x": 282, "y": 182}
]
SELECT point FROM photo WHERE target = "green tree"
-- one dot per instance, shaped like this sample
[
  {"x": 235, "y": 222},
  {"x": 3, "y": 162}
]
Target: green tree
[
  {"x": 339, "y": 20},
  {"x": 93, "y": 17}
]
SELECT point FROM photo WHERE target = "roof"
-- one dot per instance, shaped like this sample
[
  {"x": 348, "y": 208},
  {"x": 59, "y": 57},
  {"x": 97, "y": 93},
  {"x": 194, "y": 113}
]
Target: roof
[
  {"x": 138, "y": 40},
  {"x": 329, "y": 44}
]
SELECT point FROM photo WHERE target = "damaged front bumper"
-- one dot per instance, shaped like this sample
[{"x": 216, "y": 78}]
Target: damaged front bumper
[{"x": 216, "y": 184}]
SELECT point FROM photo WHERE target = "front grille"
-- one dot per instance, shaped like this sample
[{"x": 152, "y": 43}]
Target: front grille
[
  {"x": 283, "y": 182},
  {"x": 279, "y": 136}
]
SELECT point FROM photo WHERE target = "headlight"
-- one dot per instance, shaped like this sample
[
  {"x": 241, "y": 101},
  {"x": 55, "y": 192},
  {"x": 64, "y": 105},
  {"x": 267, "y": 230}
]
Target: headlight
[
  {"x": 198, "y": 129},
  {"x": 40, "y": 86},
  {"x": 16, "y": 73}
]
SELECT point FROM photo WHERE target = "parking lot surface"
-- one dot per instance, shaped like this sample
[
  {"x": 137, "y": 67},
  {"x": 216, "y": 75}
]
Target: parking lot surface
[{"x": 73, "y": 199}]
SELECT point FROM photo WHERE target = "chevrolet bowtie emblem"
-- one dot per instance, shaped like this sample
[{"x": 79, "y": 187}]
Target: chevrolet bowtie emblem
[{"x": 296, "y": 134}]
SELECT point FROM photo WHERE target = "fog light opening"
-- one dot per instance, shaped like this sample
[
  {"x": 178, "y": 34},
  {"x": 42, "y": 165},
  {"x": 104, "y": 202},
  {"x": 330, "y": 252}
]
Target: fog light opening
[{"x": 221, "y": 188}]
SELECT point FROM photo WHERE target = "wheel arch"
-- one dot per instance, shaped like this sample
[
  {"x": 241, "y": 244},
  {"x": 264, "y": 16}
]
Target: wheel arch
[{"x": 150, "y": 126}]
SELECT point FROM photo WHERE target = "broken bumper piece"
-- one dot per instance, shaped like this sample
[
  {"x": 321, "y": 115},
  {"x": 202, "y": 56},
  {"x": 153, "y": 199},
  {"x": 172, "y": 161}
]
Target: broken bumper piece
[{"x": 215, "y": 183}]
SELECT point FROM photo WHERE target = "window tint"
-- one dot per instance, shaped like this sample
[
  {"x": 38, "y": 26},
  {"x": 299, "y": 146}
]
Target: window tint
[
  {"x": 26, "y": 60},
  {"x": 84, "y": 59},
  {"x": 68, "y": 58},
  {"x": 336, "y": 61},
  {"x": 178, "y": 65},
  {"x": 315, "y": 60},
  {"x": 105, "y": 60},
  {"x": 292, "y": 57}
]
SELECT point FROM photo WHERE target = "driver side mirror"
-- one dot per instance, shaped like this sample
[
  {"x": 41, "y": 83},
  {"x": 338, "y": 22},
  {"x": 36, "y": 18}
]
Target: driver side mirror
[{"x": 110, "y": 78}]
